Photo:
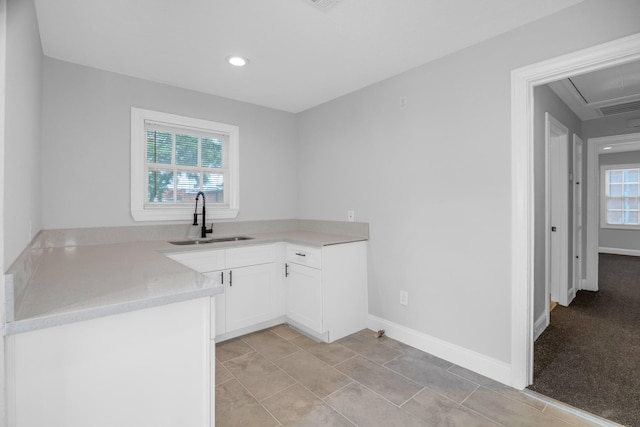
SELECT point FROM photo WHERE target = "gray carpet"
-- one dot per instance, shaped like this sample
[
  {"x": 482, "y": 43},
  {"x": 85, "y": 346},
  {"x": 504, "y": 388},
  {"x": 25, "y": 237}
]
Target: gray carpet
[{"x": 589, "y": 356}]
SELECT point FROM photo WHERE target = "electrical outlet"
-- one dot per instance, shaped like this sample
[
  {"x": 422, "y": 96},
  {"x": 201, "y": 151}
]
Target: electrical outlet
[
  {"x": 351, "y": 216},
  {"x": 403, "y": 102},
  {"x": 404, "y": 298}
]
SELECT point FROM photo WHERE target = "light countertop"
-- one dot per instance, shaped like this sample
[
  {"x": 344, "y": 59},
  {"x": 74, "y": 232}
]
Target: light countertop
[{"x": 75, "y": 283}]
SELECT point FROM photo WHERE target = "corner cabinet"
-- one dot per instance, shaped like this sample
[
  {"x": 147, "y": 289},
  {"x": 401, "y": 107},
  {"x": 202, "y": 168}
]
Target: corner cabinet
[{"x": 326, "y": 289}]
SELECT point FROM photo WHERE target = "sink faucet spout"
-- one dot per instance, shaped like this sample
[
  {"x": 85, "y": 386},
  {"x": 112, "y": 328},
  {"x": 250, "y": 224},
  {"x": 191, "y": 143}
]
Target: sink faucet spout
[{"x": 203, "y": 230}]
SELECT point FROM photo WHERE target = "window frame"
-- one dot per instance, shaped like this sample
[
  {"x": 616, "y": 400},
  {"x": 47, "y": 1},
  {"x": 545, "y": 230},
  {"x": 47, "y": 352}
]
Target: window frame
[
  {"x": 140, "y": 210},
  {"x": 604, "y": 197}
]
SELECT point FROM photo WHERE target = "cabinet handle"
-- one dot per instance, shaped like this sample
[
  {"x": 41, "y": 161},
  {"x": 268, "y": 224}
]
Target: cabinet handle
[
  {"x": 222, "y": 277},
  {"x": 286, "y": 270},
  {"x": 230, "y": 278},
  {"x": 300, "y": 254}
]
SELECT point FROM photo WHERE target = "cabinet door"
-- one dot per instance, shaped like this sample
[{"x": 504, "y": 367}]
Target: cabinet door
[
  {"x": 249, "y": 295},
  {"x": 304, "y": 296}
]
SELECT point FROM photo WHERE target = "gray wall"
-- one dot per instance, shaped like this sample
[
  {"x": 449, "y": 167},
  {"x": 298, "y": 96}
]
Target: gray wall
[
  {"x": 546, "y": 101},
  {"x": 23, "y": 116},
  {"x": 433, "y": 180},
  {"x": 86, "y": 151},
  {"x": 610, "y": 237}
]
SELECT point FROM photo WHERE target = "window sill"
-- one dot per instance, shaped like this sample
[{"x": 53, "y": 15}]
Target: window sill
[
  {"x": 181, "y": 214},
  {"x": 619, "y": 227}
]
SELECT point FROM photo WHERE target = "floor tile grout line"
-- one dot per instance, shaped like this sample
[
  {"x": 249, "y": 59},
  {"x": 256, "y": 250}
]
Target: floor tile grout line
[
  {"x": 463, "y": 377},
  {"x": 299, "y": 383},
  {"x": 461, "y": 405},
  {"x": 322, "y": 361},
  {"x": 338, "y": 390},
  {"x": 264, "y": 355},
  {"x": 336, "y": 409},
  {"x": 479, "y": 386},
  {"x": 373, "y": 391},
  {"x": 505, "y": 395},
  {"x": 469, "y": 395},
  {"x": 321, "y": 399},
  {"x": 346, "y": 360},
  {"x": 402, "y": 375},
  {"x": 414, "y": 395},
  {"x": 274, "y": 364},
  {"x": 513, "y": 400},
  {"x": 256, "y": 399}
]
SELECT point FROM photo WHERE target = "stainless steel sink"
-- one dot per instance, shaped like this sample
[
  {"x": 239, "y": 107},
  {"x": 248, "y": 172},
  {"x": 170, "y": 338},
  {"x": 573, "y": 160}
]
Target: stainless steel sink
[{"x": 212, "y": 240}]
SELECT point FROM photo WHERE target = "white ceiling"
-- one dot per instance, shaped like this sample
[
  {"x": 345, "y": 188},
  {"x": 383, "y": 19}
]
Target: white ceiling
[
  {"x": 601, "y": 93},
  {"x": 300, "y": 56}
]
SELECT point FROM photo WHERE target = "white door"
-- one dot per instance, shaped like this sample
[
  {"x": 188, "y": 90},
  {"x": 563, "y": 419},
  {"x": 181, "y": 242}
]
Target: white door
[
  {"x": 577, "y": 213},
  {"x": 557, "y": 139}
]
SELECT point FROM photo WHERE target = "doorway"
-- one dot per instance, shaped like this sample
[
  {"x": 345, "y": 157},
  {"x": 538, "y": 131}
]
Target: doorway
[
  {"x": 587, "y": 358},
  {"x": 523, "y": 82}
]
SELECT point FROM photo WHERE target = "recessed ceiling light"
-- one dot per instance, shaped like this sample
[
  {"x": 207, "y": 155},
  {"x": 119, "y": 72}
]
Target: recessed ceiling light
[
  {"x": 607, "y": 148},
  {"x": 238, "y": 61}
]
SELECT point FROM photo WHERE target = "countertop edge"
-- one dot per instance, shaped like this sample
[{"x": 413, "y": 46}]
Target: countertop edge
[{"x": 36, "y": 323}]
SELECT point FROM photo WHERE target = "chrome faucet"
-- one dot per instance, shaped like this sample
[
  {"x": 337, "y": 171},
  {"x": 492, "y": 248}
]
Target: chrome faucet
[{"x": 204, "y": 230}]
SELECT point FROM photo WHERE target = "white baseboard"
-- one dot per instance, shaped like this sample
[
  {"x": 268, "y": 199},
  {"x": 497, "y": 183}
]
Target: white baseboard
[
  {"x": 476, "y": 362},
  {"x": 540, "y": 325},
  {"x": 583, "y": 284},
  {"x": 619, "y": 251}
]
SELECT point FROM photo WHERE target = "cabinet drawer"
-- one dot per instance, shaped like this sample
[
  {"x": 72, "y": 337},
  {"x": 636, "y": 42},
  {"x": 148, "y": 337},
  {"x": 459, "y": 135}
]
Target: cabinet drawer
[
  {"x": 305, "y": 255},
  {"x": 201, "y": 261},
  {"x": 250, "y": 255}
]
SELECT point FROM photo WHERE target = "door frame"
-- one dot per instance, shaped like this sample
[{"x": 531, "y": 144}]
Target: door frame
[
  {"x": 523, "y": 81},
  {"x": 578, "y": 212},
  {"x": 556, "y": 133}
]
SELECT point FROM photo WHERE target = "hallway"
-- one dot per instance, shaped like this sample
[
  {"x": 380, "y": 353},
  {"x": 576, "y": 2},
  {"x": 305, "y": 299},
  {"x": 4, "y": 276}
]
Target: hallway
[{"x": 588, "y": 356}]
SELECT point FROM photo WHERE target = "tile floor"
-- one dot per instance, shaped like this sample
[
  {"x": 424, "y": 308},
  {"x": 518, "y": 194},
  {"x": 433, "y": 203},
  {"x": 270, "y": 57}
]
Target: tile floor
[{"x": 279, "y": 377}]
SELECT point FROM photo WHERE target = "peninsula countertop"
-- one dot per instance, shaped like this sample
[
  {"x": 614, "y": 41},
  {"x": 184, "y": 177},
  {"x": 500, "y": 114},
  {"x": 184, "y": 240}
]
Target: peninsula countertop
[{"x": 76, "y": 283}]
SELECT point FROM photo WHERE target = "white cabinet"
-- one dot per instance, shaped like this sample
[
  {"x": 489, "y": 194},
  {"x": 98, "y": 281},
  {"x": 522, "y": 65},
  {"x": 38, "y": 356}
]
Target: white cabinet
[
  {"x": 304, "y": 295},
  {"x": 151, "y": 367},
  {"x": 253, "y": 295},
  {"x": 248, "y": 295},
  {"x": 320, "y": 290},
  {"x": 326, "y": 289}
]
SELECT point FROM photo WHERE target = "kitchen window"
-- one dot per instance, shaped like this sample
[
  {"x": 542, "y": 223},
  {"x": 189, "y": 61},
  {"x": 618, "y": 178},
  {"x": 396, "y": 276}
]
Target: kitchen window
[
  {"x": 620, "y": 202},
  {"x": 173, "y": 158}
]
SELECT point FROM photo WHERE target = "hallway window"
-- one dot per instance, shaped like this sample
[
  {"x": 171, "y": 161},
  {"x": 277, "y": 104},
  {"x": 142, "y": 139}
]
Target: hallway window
[{"x": 621, "y": 196}]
